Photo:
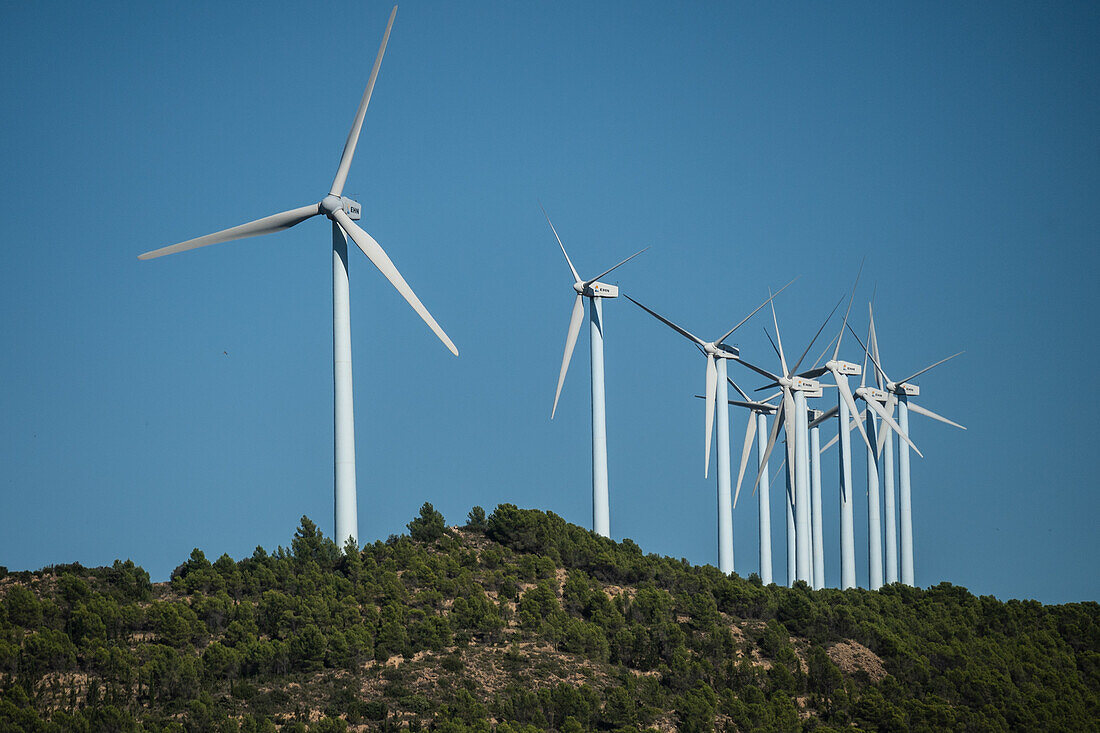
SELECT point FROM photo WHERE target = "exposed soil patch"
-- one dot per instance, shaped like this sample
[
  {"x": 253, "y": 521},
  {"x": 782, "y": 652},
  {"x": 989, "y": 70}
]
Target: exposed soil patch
[{"x": 852, "y": 657}]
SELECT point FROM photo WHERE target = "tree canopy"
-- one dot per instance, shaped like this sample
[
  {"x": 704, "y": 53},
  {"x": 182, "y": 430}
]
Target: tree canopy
[{"x": 520, "y": 621}]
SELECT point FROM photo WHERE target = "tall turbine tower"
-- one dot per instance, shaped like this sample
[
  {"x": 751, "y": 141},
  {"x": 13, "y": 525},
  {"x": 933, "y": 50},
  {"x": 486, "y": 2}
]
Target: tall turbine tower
[
  {"x": 889, "y": 495},
  {"x": 796, "y": 427},
  {"x": 897, "y": 395},
  {"x": 845, "y": 408},
  {"x": 874, "y": 398},
  {"x": 343, "y": 212},
  {"x": 757, "y": 427},
  {"x": 815, "y": 499},
  {"x": 717, "y": 353},
  {"x": 595, "y": 291}
]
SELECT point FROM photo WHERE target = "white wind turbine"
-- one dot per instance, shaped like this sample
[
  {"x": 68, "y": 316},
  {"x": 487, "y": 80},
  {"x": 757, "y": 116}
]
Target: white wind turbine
[
  {"x": 717, "y": 353},
  {"x": 757, "y": 427},
  {"x": 898, "y": 394},
  {"x": 846, "y": 407},
  {"x": 874, "y": 399},
  {"x": 595, "y": 291},
  {"x": 343, "y": 212},
  {"x": 792, "y": 415}
]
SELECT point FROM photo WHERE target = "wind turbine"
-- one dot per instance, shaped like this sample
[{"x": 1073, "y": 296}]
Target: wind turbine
[
  {"x": 792, "y": 410},
  {"x": 898, "y": 394},
  {"x": 757, "y": 427},
  {"x": 846, "y": 406},
  {"x": 717, "y": 353},
  {"x": 874, "y": 399},
  {"x": 595, "y": 291},
  {"x": 343, "y": 212},
  {"x": 817, "y": 570}
]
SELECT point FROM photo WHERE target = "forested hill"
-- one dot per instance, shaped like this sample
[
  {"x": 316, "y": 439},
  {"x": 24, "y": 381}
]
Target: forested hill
[{"x": 516, "y": 622}]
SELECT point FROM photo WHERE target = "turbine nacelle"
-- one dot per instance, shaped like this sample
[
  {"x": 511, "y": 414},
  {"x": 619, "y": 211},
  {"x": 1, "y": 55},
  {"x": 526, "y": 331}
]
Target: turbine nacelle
[
  {"x": 596, "y": 289},
  {"x": 844, "y": 367},
  {"x": 811, "y": 387},
  {"x": 331, "y": 204},
  {"x": 904, "y": 389},
  {"x": 873, "y": 393}
]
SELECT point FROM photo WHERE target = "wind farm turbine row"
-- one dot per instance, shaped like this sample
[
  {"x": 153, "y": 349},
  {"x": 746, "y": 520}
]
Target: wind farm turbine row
[
  {"x": 788, "y": 407},
  {"x": 801, "y": 427}
]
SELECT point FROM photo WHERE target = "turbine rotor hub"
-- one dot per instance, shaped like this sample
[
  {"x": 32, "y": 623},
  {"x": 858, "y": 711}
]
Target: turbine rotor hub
[
  {"x": 579, "y": 287},
  {"x": 721, "y": 351},
  {"x": 330, "y": 204}
]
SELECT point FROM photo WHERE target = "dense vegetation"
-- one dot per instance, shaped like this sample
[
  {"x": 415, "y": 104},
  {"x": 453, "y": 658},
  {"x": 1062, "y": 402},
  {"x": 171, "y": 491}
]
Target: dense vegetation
[{"x": 520, "y": 621}]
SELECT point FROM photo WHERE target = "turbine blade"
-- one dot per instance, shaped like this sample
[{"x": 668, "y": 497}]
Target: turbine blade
[
  {"x": 739, "y": 390},
  {"x": 846, "y": 394},
  {"x": 814, "y": 373},
  {"x": 881, "y": 412},
  {"x": 770, "y": 299},
  {"x": 931, "y": 366},
  {"x": 775, "y": 478},
  {"x": 819, "y": 330},
  {"x": 758, "y": 370},
  {"x": 570, "y": 341},
  {"x": 357, "y": 125},
  {"x": 774, "y": 347},
  {"x": 824, "y": 416},
  {"x": 267, "y": 225},
  {"x": 771, "y": 444},
  {"x": 874, "y": 360},
  {"x": 928, "y": 413},
  {"x": 891, "y": 402},
  {"x": 866, "y": 353},
  {"x": 381, "y": 260},
  {"x": 860, "y": 417},
  {"x": 750, "y": 433},
  {"x": 628, "y": 259},
  {"x": 822, "y": 356},
  {"x": 790, "y": 430},
  {"x": 752, "y": 405},
  {"x": 839, "y": 336},
  {"x": 682, "y": 331},
  {"x": 779, "y": 349},
  {"x": 712, "y": 386},
  {"x": 576, "y": 277},
  {"x": 872, "y": 341}
]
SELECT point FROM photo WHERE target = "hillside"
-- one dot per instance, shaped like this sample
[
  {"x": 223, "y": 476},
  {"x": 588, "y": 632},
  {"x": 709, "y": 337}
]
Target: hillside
[{"x": 520, "y": 621}]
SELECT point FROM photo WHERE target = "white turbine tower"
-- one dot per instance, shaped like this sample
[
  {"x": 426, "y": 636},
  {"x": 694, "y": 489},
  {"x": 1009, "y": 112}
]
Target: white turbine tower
[
  {"x": 792, "y": 414},
  {"x": 595, "y": 291},
  {"x": 846, "y": 407},
  {"x": 897, "y": 395},
  {"x": 757, "y": 427},
  {"x": 717, "y": 353},
  {"x": 874, "y": 399},
  {"x": 342, "y": 212}
]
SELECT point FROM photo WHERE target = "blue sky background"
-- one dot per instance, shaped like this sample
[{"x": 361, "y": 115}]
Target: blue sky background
[{"x": 955, "y": 145}]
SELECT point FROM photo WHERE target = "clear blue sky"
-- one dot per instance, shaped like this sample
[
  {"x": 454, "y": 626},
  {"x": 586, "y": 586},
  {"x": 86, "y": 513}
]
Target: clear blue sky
[{"x": 149, "y": 407}]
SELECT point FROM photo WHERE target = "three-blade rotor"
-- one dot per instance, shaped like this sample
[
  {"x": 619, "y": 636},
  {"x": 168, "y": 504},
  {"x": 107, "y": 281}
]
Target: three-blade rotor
[
  {"x": 785, "y": 415},
  {"x": 894, "y": 390},
  {"x": 582, "y": 288},
  {"x": 712, "y": 350},
  {"x": 333, "y": 206}
]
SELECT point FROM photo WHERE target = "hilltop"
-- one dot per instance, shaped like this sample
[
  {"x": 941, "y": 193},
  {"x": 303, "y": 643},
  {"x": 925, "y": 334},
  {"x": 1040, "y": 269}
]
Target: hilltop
[{"x": 520, "y": 621}]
